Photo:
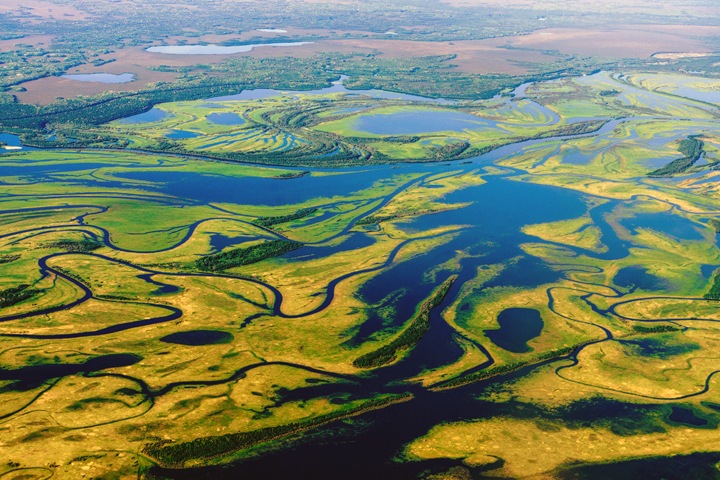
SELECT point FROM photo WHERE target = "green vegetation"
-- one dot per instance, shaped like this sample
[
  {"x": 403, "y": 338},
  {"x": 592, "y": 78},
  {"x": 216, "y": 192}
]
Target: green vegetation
[
  {"x": 205, "y": 448},
  {"x": 503, "y": 369},
  {"x": 291, "y": 175},
  {"x": 375, "y": 219},
  {"x": 714, "y": 292},
  {"x": 416, "y": 329},
  {"x": 245, "y": 256},
  {"x": 8, "y": 258},
  {"x": 655, "y": 328},
  {"x": 76, "y": 246},
  {"x": 715, "y": 224},
  {"x": 14, "y": 295},
  {"x": 692, "y": 148},
  {"x": 270, "y": 221}
]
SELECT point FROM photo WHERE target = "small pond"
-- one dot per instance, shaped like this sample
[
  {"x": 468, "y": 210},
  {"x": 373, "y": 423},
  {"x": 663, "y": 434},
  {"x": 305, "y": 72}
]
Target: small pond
[
  {"x": 225, "y": 118},
  {"x": 517, "y": 327},
  {"x": 152, "y": 115},
  {"x": 197, "y": 338},
  {"x": 101, "y": 77}
]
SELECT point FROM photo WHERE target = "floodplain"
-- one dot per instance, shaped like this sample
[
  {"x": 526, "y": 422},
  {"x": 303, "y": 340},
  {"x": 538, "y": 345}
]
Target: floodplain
[{"x": 513, "y": 277}]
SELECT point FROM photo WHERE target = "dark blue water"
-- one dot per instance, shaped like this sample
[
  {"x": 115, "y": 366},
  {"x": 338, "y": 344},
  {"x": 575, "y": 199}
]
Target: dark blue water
[
  {"x": 419, "y": 121},
  {"x": 32, "y": 376},
  {"x": 153, "y": 115},
  {"x": 517, "y": 327},
  {"x": 708, "y": 270},
  {"x": 525, "y": 272},
  {"x": 353, "y": 241},
  {"x": 255, "y": 190},
  {"x": 226, "y": 118},
  {"x": 700, "y": 466},
  {"x": 686, "y": 416},
  {"x": 12, "y": 141},
  {"x": 674, "y": 226},
  {"x": 659, "y": 347},
  {"x": 503, "y": 206},
  {"x": 182, "y": 134},
  {"x": 218, "y": 241},
  {"x": 196, "y": 338},
  {"x": 42, "y": 168},
  {"x": 498, "y": 211},
  {"x": 638, "y": 277}
]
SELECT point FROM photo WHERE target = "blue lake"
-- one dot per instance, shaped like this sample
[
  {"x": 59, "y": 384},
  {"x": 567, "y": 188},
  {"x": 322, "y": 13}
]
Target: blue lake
[
  {"x": 686, "y": 416},
  {"x": 14, "y": 142},
  {"x": 708, "y": 270},
  {"x": 353, "y": 241},
  {"x": 419, "y": 121},
  {"x": 657, "y": 347},
  {"x": 638, "y": 277},
  {"x": 666, "y": 223},
  {"x": 225, "y": 118},
  {"x": 517, "y": 327},
  {"x": 152, "y": 115},
  {"x": 218, "y": 241}
]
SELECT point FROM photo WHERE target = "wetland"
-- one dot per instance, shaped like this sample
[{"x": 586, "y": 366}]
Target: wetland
[{"x": 381, "y": 304}]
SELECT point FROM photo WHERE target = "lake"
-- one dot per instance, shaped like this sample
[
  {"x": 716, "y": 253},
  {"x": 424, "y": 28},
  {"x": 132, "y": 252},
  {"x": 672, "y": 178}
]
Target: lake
[
  {"x": 217, "y": 49},
  {"x": 225, "y": 119},
  {"x": 419, "y": 121},
  {"x": 101, "y": 77},
  {"x": 517, "y": 327}
]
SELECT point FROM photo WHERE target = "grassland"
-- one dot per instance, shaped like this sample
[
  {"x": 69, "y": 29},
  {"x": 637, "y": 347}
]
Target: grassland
[{"x": 341, "y": 292}]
